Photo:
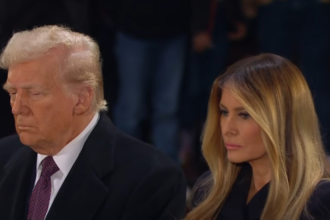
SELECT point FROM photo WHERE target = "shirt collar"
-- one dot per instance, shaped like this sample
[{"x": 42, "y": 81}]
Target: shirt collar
[{"x": 68, "y": 155}]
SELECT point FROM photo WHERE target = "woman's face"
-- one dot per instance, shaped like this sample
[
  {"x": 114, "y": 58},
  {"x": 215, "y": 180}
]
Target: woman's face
[{"x": 240, "y": 132}]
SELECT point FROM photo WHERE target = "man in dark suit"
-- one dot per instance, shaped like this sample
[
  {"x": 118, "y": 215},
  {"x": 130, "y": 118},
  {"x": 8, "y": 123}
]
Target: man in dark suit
[{"x": 68, "y": 161}]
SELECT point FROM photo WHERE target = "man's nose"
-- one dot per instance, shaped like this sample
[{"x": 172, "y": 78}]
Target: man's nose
[{"x": 18, "y": 104}]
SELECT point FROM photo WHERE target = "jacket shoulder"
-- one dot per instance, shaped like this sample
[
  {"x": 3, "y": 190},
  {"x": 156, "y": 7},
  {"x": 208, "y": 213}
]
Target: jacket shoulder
[
  {"x": 8, "y": 147},
  {"x": 139, "y": 153}
]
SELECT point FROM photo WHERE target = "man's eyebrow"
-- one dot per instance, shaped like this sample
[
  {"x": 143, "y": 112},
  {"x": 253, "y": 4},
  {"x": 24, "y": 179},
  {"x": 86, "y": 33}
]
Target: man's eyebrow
[{"x": 7, "y": 86}]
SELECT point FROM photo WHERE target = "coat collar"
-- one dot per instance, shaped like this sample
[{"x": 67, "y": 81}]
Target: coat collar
[
  {"x": 83, "y": 191},
  {"x": 84, "y": 182},
  {"x": 235, "y": 206}
]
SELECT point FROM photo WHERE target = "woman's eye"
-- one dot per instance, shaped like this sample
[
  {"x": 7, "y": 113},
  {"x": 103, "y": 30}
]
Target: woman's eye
[
  {"x": 223, "y": 112},
  {"x": 244, "y": 115}
]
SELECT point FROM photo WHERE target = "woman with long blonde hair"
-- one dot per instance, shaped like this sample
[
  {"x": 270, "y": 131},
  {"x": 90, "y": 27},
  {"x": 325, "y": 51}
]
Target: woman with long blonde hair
[{"x": 263, "y": 146}]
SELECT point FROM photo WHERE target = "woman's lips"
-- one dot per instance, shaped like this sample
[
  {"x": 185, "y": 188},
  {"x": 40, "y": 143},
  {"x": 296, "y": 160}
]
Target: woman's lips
[{"x": 230, "y": 146}]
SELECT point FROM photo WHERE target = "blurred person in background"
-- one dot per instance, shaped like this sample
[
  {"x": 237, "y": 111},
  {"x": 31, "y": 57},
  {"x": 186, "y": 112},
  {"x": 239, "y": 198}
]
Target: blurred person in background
[
  {"x": 300, "y": 31},
  {"x": 225, "y": 23},
  {"x": 150, "y": 49},
  {"x": 207, "y": 54},
  {"x": 68, "y": 161},
  {"x": 263, "y": 145}
]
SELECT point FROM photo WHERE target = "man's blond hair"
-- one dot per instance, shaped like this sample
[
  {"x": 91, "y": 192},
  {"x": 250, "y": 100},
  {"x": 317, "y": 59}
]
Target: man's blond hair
[{"x": 80, "y": 56}]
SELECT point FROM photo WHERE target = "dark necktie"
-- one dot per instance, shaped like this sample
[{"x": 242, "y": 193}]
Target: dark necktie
[{"x": 39, "y": 200}]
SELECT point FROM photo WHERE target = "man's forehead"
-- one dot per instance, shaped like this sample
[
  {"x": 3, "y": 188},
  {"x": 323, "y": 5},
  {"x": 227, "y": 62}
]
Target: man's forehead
[
  {"x": 33, "y": 72},
  {"x": 49, "y": 62}
]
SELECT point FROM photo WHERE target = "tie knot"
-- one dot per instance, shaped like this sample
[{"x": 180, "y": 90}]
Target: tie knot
[{"x": 49, "y": 167}]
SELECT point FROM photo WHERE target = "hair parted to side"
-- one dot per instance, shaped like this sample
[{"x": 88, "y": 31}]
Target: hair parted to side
[
  {"x": 276, "y": 95},
  {"x": 81, "y": 62}
]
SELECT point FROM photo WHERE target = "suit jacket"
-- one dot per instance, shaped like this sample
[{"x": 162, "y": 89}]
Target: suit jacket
[
  {"x": 114, "y": 177},
  {"x": 235, "y": 206}
]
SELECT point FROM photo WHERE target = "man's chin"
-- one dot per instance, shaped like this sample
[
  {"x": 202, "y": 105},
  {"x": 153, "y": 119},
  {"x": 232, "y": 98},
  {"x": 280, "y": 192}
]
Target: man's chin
[
  {"x": 34, "y": 143},
  {"x": 26, "y": 139}
]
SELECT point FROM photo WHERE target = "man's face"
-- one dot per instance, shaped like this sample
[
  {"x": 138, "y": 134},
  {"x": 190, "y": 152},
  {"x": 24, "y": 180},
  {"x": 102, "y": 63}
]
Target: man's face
[{"x": 42, "y": 109}]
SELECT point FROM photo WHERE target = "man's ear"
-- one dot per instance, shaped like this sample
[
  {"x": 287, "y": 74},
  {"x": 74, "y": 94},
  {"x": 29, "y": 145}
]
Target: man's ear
[{"x": 85, "y": 98}]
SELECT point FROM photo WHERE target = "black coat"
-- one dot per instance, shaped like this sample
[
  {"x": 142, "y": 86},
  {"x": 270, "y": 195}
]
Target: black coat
[
  {"x": 114, "y": 177},
  {"x": 235, "y": 207}
]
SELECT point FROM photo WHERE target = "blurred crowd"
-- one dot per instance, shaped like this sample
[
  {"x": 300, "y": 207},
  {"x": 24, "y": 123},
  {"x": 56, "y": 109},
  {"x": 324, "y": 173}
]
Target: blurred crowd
[{"x": 160, "y": 57}]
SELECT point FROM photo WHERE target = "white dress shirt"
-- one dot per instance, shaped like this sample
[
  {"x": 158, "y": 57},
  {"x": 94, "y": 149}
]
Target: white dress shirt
[{"x": 65, "y": 159}]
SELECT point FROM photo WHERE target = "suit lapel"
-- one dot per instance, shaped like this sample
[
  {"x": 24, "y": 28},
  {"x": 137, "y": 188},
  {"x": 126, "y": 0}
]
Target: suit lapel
[
  {"x": 16, "y": 184},
  {"x": 83, "y": 191}
]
